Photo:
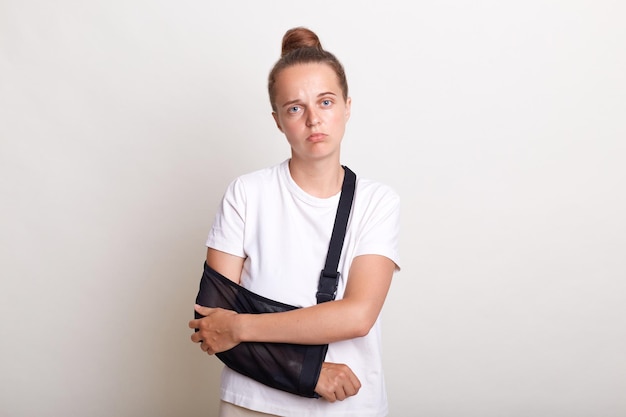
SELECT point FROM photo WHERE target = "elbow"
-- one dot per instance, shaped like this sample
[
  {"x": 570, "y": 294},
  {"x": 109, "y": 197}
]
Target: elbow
[
  {"x": 362, "y": 331},
  {"x": 362, "y": 326},
  {"x": 358, "y": 319}
]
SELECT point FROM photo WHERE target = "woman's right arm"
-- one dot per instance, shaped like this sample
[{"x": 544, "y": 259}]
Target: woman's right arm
[{"x": 336, "y": 381}]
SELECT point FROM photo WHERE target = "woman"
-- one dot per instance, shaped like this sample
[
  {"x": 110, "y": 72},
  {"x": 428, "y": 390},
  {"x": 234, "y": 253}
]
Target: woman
[{"x": 271, "y": 235}]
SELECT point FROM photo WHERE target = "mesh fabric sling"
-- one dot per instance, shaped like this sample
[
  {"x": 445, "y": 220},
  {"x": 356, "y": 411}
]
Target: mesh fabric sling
[{"x": 288, "y": 367}]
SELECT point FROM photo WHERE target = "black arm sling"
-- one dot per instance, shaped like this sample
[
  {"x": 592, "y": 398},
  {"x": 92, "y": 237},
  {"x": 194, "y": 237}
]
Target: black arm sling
[{"x": 288, "y": 367}]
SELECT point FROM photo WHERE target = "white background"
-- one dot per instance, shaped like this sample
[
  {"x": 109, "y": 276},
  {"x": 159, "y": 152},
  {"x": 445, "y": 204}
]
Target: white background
[{"x": 501, "y": 125}]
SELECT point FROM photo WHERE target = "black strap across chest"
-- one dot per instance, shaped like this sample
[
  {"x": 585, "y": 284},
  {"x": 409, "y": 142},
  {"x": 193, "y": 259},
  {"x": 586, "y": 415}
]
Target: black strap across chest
[{"x": 329, "y": 277}]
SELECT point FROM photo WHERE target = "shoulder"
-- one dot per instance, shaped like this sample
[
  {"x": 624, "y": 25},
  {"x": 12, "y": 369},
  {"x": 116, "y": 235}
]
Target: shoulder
[
  {"x": 256, "y": 182},
  {"x": 375, "y": 202},
  {"x": 369, "y": 189},
  {"x": 261, "y": 176}
]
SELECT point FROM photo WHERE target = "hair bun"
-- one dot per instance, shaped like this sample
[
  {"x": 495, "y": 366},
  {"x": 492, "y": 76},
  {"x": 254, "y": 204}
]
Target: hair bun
[{"x": 299, "y": 37}]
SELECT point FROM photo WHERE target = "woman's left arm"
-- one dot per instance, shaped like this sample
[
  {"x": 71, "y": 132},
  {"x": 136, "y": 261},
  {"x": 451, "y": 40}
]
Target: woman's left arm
[{"x": 352, "y": 316}]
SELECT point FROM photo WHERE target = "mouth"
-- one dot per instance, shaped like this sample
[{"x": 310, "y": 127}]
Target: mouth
[{"x": 316, "y": 137}]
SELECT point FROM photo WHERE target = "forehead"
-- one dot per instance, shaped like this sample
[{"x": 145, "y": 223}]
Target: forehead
[{"x": 311, "y": 78}]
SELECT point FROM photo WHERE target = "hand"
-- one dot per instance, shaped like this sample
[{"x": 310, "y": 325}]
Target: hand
[
  {"x": 337, "y": 382},
  {"x": 216, "y": 329}
]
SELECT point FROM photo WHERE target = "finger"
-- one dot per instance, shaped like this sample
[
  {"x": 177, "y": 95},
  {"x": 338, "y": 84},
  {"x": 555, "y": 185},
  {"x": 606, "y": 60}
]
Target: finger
[
  {"x": 356, "y": 383},
  {"x": 349, "y": 390},
  {"x": 321, "y": 391},
  {"x": 206, "y": 348},
  {"x": 340, "y": 394},
  {"x": 196, "y": 338},
  {"x": 205, "y": 311},
  {"x": 353, "y": 384},
  {"x": 329, "y": 396}
]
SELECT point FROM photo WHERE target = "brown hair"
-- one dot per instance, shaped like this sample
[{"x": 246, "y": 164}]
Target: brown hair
[{"x": 302, "y": 46}]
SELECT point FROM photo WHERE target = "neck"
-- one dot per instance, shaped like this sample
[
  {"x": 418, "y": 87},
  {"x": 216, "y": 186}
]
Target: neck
[{"x": 321, "y": 179}]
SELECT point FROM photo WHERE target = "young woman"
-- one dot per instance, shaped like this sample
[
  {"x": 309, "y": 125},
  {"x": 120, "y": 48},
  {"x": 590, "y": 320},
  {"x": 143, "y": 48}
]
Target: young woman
[{"x": 271, "y": 235}]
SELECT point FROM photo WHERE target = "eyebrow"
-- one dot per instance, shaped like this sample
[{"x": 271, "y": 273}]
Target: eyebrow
[{"x": 326, "y": 93}]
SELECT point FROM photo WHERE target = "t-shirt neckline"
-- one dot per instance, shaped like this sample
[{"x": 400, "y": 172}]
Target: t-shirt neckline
[{"x": 302, "y": 195}]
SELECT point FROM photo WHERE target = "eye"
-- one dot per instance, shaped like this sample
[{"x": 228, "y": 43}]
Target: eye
[
  {"x": 293, "y": 109},
  {"x": 326, "y": 102}
]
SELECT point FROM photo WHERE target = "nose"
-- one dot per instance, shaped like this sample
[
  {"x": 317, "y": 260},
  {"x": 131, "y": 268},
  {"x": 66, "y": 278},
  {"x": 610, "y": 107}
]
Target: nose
[{"x": 312, "y": 118}]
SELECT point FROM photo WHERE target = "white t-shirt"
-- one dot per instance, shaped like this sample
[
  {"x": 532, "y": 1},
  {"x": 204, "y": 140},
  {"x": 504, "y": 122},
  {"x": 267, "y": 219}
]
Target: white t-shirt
[{"x": 284, "y": 233}]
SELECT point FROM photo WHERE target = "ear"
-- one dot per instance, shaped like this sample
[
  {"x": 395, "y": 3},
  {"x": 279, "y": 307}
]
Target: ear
[
  {"x": 348, "y": 108},
  {"x": 275, "y": 116}
]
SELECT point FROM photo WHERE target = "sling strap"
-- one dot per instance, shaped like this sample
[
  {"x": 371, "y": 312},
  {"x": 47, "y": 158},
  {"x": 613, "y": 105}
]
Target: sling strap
[{"x": 329, "y": 277}]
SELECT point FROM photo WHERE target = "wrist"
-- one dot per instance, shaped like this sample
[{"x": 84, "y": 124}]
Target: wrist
[{"x": 239, "y": 328}]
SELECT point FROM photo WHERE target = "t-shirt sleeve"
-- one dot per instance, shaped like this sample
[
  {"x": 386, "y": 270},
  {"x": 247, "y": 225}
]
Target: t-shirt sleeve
[
  {"x": 227, "y": 232},
  {"x": 381, "y": 230}
]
